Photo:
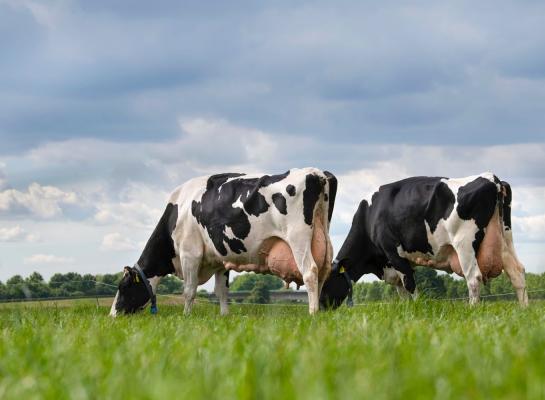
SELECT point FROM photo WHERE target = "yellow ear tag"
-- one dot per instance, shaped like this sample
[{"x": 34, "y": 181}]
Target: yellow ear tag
[
  {"x": 342, "y": 270},
  {"x": 136, "y": 279}
]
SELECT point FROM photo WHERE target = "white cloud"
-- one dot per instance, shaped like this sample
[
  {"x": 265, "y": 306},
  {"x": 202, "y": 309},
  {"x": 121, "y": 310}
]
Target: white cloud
[
  {"x": 17, "y": 234},
  {"x": 531, "y": 228},
  {"x": 40, "y": 201},
  {"x": 45, "y": 15},
  {"x": 357, "y": 185},
  {"x": 47, "y": 259},
  {"x": 117, "y": 242},
  {"x": 258, "y": 146},
  {"x": 126, "y": 184},
  {"x": 528, "y": 200},
  {"x": 136, "y": 206}
]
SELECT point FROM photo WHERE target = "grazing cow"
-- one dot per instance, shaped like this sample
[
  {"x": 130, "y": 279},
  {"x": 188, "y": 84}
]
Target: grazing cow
[
  {"x": 275, "y": 224},
  {"x": 456, "y": 225}
]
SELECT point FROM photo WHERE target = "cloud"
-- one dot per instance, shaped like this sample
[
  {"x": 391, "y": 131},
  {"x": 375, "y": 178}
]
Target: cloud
[
  {"x": 3, "y": 178},
  {"x": 117, "y": 242},
  {"x": 17, "y": 234},
  {"x": 126, "y": 184},
  {"x": 47, "y": 259},
  {"x": 135, "y": 205},
  {"x": 531, "y": 228},
  {"x": 440, "y": 74},
  {"x": 40, "y": 201}
]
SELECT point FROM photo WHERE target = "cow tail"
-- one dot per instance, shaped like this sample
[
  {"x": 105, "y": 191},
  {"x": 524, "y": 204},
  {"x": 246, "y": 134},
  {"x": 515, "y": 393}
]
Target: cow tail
[
  {"x": 506, "y": 196},
  {"x": 331, "y": 193}
]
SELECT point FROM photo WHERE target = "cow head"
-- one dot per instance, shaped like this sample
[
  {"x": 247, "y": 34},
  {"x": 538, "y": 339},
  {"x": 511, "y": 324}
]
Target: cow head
[
  {"x": 132, "y": 294},
  {"x": 335, "y": 288}
]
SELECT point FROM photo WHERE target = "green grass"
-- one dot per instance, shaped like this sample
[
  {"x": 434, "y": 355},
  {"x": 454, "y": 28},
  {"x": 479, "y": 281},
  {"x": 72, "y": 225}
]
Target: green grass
[{"x": 409, "y": 350}]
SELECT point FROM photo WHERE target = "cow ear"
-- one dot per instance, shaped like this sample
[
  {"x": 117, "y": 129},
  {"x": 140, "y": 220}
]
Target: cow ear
[{"x": 126, "y": 271}]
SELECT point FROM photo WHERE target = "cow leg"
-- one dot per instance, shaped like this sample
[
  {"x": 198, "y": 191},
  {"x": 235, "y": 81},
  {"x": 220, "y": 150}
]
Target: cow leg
[
  {"x": 309, "y": 270},
  {"x": 221, "y": 289},
  {"x": 310, "y": 278},
  {"x": 403, "y": 293},
  {"x": 514, "y": 269},
  {"x": 404, "y": 267},
  {"x": 190, "y": 266},
  {"x": 395, "y": 278},
  {"x": 300, "y": 245},
  {"x": 325, "y": 271},
  {"x": 470, "y": 268}
]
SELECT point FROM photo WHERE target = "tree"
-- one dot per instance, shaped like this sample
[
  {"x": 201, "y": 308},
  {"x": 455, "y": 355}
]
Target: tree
[
  {"x": 107, "y": 283},
  {"x": 374, "y": 291},
  {"x": 16, "y": 287},
  {"x": 170, "y": 284},
  {"x": 88, "y": 285},
  {"x": 259, "y": 294},
  {"x": 3, "y": 291},
  {"x": 36, "y": 286},
  {"x": 429, "y": 284},
  {"x": 248, "y": 281}
]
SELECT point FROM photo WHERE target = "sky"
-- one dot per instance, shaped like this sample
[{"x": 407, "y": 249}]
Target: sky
[{"x": 107, "y": 106}]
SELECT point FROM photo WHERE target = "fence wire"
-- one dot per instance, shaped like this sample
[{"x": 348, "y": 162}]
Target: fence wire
[{"x": 213, "y": 301}]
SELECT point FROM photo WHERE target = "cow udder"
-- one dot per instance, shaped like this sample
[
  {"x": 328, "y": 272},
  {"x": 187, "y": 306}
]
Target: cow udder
[{"x": 276, "y": 257}]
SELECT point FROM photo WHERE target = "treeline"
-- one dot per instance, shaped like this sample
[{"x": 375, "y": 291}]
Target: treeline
[
  {"x": 72, "y": 284},
  {"x": 432, "y": 285},
  {"x": 258, "y": 285}
]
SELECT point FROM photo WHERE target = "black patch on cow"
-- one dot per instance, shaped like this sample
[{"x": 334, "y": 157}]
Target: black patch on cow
[
  {"x": 332, "y": 180},
  {"x": 477, "y": 201},
  {"x": 397, "y": 216},
  {"x": 279, "y": 202},
  {"x": 155, "y": 260},
  {"x": 507, "y": 205},
  {"x": 132, "y": 293},
  {"x": 226, "y": 274},
  {"x": 215, "y": 211},
  {"x": 311, "y": 194},
  {"x": 334, "y": 291},
  {"x": 399, "y": 211},
  {"x": 290, "y": 189},
  {"x": 440, "y": 205}
]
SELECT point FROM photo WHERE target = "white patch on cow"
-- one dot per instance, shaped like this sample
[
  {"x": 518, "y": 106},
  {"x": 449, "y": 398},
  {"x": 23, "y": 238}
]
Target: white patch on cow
[
  {"x": 238, "y": 204},
  {"x": 458, "y": 182},
  {"x": 229, "y": 232},
  {"x": 154, "y": 282},
  {"x": 113, "y": 311}
]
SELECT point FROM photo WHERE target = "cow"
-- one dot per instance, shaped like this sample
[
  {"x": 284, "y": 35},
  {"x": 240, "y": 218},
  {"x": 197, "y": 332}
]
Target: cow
[
  {"x": 276, "y": 224},
  {"x": 458, "y": 225}
]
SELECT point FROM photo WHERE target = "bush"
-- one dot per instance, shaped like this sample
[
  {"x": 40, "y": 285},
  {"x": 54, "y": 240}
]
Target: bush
[
  {"x": 259, "y": 294},
  {"x": 249, "y": 280}
]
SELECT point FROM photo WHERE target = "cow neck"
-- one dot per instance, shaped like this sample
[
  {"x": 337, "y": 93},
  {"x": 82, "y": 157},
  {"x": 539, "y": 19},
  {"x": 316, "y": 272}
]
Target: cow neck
[
  {"x": 151, "y": 268},
  {"x": 358, "y": 253},
  {"x": 156, "y": 258},
  {"x": 146, "y": 266}
]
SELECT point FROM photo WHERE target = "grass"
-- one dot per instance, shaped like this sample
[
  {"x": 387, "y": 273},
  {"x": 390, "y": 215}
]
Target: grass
[{"x": 422, "y": 349}]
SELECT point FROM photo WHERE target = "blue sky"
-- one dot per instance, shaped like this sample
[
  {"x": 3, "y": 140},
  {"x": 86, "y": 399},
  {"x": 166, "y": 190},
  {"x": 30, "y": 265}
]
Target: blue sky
[{"x": 107, "y": 106}]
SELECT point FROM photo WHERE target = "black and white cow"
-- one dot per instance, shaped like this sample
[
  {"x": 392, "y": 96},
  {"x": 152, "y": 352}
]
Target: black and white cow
[
  {"x": 456, "y": 225},
  {"x": 264, "y": 223}
]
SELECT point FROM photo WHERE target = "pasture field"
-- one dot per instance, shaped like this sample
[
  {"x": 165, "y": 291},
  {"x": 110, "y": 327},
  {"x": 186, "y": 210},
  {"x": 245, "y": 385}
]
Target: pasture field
[{"x": 399, "y": 350}]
